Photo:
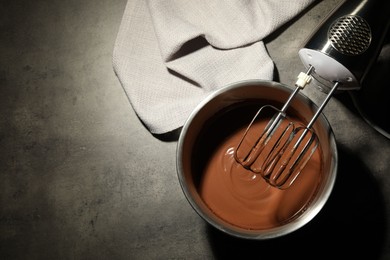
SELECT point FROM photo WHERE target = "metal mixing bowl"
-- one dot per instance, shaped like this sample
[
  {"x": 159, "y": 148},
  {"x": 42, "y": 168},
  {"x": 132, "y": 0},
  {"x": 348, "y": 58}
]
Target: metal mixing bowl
[{"x": 229, "y": 98}]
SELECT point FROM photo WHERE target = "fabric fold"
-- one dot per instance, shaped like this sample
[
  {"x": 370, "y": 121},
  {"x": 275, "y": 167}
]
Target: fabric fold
[{"x": 171, "y": 54}]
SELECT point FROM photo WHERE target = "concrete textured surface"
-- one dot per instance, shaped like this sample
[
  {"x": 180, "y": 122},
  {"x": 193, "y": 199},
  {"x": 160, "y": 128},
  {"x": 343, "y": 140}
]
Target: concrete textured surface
[{"x": 81, "y": 177}]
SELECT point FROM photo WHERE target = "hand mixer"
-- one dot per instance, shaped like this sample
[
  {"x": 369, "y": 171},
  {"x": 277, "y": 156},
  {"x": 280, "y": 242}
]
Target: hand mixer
[{"x": 337, "y": 56}]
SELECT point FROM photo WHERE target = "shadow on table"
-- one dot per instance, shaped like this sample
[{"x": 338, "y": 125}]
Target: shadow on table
[{"x": 351, "y": 224}]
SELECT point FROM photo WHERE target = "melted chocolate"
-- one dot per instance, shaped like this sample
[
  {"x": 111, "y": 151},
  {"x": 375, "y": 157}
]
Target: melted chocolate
[{"x": 241, "y": 197}]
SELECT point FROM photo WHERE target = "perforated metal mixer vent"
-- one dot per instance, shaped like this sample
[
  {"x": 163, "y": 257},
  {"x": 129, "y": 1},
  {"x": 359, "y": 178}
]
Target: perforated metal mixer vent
[{"x": 350, "y": 35}]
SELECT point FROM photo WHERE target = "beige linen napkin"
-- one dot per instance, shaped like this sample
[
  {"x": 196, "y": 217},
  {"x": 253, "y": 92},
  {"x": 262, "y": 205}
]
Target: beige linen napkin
[{"x": 171, "y": 54}]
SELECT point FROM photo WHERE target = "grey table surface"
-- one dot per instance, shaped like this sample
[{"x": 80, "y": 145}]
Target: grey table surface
[{"x": 82, "y": 178}]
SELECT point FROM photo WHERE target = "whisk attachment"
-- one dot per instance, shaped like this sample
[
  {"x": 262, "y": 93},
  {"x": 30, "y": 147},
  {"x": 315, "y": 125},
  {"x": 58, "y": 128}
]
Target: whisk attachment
[{"x": 280, "y": 150}]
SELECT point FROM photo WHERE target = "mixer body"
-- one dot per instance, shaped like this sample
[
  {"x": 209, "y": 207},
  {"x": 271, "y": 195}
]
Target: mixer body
[{"x": 347, "y": 43}]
